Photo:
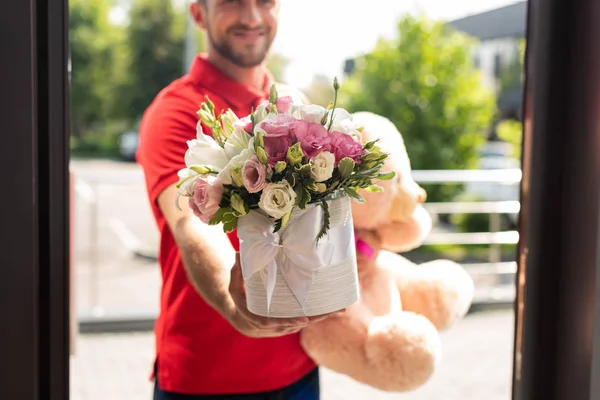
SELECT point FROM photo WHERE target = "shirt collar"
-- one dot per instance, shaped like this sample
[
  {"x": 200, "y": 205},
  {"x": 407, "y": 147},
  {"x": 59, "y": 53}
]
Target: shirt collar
[{"x": 240, "y": 96}]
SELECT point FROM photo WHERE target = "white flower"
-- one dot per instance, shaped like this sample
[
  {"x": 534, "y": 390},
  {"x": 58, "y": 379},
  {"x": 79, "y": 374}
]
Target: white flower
[
  {"x": 321, "y": 166},
  {"x": 187, "y": 178},
  {"x": 261, "y": 112},
  {"x": 308, "y": 112},
  {"x": 277, "y": 199},
  {"x": 342, "y": 120},
  {"x": 237, "y": 142},
  {"x": 232, "y": 172},
  {"x": 205, "y": 151},
  {"x": 229, "y": 119}
]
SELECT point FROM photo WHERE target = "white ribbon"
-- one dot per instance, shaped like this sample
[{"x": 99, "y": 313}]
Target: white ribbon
[{"x": 295, "y": 251}]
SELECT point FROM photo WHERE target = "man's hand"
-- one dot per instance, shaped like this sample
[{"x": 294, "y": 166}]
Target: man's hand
[{"x": 253, "y": 325}]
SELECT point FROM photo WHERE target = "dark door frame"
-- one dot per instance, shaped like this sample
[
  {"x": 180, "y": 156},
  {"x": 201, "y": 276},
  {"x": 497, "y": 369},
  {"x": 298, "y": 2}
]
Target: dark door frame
[
  {"x": 34, "y": 230},
  {"x": 557, "y": 336}
]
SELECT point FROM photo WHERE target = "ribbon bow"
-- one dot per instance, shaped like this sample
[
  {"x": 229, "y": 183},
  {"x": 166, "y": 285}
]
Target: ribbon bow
[{"x": 295, "y": 251}]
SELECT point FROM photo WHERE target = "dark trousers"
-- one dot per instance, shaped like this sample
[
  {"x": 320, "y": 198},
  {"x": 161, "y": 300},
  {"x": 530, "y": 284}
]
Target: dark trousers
[{"x": 307, "y": 388}]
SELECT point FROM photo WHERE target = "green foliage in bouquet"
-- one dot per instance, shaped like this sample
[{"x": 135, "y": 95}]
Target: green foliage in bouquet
[{"x": 297, "y": 180}]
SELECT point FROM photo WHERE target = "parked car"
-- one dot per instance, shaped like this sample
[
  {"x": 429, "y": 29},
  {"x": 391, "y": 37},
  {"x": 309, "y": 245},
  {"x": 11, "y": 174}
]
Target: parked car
[{"x": 128, "y": 144}]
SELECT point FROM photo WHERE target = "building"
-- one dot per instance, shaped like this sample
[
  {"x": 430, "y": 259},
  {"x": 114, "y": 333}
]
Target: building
[{"x": 499, "y": 32}]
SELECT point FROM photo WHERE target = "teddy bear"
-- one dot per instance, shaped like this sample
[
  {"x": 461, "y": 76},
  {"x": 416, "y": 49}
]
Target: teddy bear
[{"x": 390, "y": 338}]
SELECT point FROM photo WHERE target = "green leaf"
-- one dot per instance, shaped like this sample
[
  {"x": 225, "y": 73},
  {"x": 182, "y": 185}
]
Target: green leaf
[
  {"x": 278, "y": 225},
  {"x": 299, "y": 189},
  {"x": 386, "y": 176},
  {"x": 326, "y": 220},
  {"x": 304, "y": 171},
  {"x": 291, "y": 177},
  {"x": 286, "y": 218},
  {"x": 346, "y": 167},
  {"x": 374, "y": 189},
  {"x": 306, "y": 196},
  {"x": 219, "y": 216},
  {"x": 238, "y": 205},
  {"x": 354, "y": 195},
  {"x": 231, "y": 224}
]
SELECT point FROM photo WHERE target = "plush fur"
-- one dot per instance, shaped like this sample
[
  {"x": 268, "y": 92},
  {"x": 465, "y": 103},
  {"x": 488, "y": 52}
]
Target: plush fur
[{"x": 390, "y": 338}]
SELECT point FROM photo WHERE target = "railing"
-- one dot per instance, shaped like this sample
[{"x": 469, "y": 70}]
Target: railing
[
  {"x": 500, "y": 275},
  {"x": 494, "y": 279}
]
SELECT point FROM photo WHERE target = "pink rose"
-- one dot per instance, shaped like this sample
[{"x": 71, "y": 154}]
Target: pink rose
[
  {"x": 343, "y": 145},
  {"x": 254, "y": 175},
  {"x": 283, "y": 104},
  {"x": 206, "y": 199},
  {"x": 313, "y": 137}
]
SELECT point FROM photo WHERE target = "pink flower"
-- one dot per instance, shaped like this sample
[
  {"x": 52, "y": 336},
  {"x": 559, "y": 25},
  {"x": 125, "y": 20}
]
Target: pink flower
[
  {"x": 254, "y": 175},
  {"x": 245, "y": 123},
  {"x": 343, "y": 145},
  {"x": 279, "y": 132},
  {"x": 283, "y": 104},
  {"x": 313, "y": 137},
  {"x": 276, "y": 148},
  {"x": 277, "y": 125},
  {"x": 206, "y": 199}
]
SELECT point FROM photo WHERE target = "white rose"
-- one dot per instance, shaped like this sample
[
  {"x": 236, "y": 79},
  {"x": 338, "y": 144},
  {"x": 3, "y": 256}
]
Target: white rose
[
  {"x": 205, "y": 151},
  {"x": 321, "y": 166},
  {"x": 237, "y": 142},
  {"x": 232, "y": 171},
  {"x": 277, "y": 199}
]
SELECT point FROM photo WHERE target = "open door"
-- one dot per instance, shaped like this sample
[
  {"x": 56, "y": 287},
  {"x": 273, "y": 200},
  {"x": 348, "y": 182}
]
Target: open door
[
  {"x": 557, "y": 341},
  {"x": 34, "y": 295}
]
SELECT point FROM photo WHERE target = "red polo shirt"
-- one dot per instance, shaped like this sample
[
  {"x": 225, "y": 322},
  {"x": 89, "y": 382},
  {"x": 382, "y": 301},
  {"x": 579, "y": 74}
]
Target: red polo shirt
[{"x": 197, "y": 350}]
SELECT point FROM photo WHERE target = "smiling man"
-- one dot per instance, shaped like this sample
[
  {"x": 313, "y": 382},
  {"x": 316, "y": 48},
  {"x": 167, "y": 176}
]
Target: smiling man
[{"x": 208, "y": 345}]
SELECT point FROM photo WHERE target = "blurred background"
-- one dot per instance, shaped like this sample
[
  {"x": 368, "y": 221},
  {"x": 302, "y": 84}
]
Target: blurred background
[{"x": 448, "y": 74}]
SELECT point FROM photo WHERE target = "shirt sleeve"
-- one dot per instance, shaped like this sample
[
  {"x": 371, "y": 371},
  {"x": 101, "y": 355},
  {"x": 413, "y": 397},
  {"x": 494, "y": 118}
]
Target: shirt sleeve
[{"x": 165, "y": 129}]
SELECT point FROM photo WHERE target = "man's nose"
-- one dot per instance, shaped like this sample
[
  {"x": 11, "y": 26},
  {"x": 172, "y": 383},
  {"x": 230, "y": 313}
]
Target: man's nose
[{"x": 250, "y": 14}]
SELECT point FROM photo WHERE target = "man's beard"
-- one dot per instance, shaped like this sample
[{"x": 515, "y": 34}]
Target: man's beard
[{"x": 244, "y": 60}]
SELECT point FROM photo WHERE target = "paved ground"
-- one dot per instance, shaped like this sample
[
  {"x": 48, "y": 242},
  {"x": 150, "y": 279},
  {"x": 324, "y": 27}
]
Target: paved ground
[{"x": 477, "y": 365}]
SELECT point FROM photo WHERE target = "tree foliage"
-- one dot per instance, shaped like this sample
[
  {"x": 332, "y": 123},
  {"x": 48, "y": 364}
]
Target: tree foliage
[
  {"x": 156, "y": 50},
  {"x": 426, "y": 84},
  {"x": 95, "y": 63}
]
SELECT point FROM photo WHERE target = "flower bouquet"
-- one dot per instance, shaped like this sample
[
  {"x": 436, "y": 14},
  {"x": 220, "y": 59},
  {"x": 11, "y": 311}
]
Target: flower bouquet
[{"x": 284, "y": 176}]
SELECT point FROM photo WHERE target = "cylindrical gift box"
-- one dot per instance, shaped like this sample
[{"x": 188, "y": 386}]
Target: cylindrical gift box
[{"x": 289, "y": 273}]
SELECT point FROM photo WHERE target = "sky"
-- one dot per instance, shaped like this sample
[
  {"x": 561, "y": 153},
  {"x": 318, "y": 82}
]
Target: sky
[{"x": 316, "y": 36}]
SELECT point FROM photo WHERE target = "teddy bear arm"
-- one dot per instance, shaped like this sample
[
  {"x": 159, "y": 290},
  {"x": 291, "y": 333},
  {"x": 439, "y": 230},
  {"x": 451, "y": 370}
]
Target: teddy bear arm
[{"x": 402, "y": 236}]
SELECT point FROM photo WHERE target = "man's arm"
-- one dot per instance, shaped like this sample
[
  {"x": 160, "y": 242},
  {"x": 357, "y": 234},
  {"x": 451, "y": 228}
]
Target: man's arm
[
  {"x": 208, "y": 258},
  {"x": 206, "y": 251}
]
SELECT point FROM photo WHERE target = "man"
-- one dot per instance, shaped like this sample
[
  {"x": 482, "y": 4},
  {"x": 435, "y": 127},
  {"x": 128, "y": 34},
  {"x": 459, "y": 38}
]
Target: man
[{"x": 208, "y": 345}]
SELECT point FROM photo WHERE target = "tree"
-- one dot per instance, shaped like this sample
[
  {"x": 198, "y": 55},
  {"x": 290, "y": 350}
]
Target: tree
[
  {"x": 426, "y": 84},
  {"x": 95, "y": 61},
  {"x": 156, "y": 49}
]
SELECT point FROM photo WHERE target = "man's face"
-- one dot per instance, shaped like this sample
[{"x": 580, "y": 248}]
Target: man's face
[{"x": 242, "y": 31}]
